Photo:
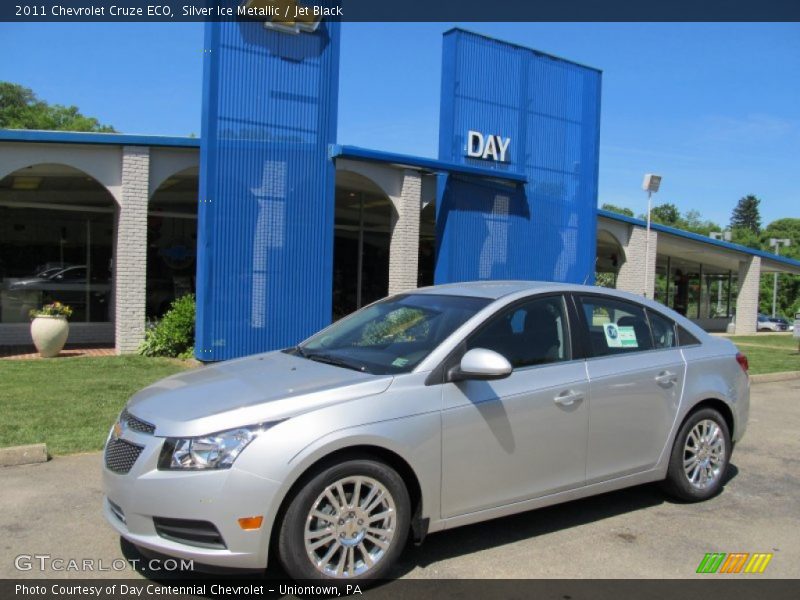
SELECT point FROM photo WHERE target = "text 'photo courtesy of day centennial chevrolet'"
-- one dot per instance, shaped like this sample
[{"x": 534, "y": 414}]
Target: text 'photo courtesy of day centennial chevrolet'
[{"x": 424, "y": 411}]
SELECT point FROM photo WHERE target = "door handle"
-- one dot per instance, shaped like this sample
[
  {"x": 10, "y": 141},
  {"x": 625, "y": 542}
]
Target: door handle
[
  {"x": 568, "y": 398},
  {"x": 666, "y": 378}
]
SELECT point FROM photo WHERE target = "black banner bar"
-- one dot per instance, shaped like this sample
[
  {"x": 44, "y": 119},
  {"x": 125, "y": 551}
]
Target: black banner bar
[
  {"x": 400, "y": 11},
  {"x": 711, "y": 586}
]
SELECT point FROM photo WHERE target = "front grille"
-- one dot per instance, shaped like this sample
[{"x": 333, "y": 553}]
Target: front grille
[
  {"x": 137, "y": 424},
  {"x": 192, "y": 533},
  {"x": 120, "y": 455}
]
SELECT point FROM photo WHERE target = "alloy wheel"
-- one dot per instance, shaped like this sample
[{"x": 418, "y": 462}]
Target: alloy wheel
[
  {"x": 704, "y": 454},
  {"x": 350, "y": 527}
]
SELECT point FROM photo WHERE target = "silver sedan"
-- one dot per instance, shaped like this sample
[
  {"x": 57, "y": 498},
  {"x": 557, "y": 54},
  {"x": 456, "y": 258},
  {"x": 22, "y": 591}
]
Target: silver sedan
[{"x": 425, "y": 411}]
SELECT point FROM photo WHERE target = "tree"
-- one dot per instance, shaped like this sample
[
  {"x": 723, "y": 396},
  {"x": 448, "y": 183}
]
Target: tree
[
  {"x": 747, "y": 215},
  {"x": 788, "y": 298},
  {"x": 666, "y": 214},
  {"x": 745, "y": 237},
  {"x": 21, "y": 109},
  {"x": 617, "y": 209},
  {"x": 693, "y": 221}
]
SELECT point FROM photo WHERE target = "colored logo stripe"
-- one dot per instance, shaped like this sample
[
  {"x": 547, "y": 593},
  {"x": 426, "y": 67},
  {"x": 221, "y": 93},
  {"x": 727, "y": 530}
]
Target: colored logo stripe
[
  {"x": 734, "y": 562},
  {"x": 711, "y": 562},
  {"x": 720, "y": 562},
  {"x": 758, "y": 562}
]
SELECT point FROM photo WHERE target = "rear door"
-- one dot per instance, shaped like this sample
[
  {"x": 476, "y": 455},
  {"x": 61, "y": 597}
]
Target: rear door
[{"x": 636, "y": 374}]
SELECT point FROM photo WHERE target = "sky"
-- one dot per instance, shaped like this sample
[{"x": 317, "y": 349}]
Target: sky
[{"x": 713, "y": 108}]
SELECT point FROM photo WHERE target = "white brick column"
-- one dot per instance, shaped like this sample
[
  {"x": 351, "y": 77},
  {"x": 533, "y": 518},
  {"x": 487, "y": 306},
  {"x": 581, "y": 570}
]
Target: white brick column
[
  {"x": 404, "y": 244},
  {"x": 631, "y": 273},
  {"x": 747, "y": 298},
  {"x": 130, "y": 250}
]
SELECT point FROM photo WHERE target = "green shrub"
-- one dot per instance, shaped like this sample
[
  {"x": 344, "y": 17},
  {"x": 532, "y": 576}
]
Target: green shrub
[{"x": 173, "y": 335}]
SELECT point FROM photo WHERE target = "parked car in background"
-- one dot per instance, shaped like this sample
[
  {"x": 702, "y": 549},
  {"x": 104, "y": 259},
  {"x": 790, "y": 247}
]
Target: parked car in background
[
  {"x": 70, "y": 285},
  {"x": 441, "y": 407},
  {"x": 766, "y": 323},
  {"x": 783, "y": 323}
]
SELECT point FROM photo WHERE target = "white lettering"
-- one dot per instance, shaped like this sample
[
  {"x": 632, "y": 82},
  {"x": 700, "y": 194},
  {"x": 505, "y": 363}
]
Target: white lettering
[
  {"x": 474, "y": 144},
  {"x": 503, "y": 146},
  {"x": 490, "y": 149},
  {"x": 487, "y": 147}
]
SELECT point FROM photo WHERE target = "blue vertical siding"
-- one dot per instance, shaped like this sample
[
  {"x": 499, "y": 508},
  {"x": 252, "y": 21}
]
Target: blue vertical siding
[
  {"x": 265, "y": 228},
  {"x": 550, "y": 108}
]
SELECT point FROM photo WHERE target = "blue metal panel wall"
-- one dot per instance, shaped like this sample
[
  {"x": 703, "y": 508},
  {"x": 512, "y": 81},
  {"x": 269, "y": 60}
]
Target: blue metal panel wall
[
  {"x": 550, "y": 108},
  {"x": 265, "y": 230}
]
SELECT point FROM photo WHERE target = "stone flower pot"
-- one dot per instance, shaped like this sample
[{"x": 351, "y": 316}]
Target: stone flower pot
[{"x": 49, "y": 334}]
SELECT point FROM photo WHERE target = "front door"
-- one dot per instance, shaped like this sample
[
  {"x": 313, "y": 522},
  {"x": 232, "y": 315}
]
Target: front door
[{"x": 524, "y": 436}]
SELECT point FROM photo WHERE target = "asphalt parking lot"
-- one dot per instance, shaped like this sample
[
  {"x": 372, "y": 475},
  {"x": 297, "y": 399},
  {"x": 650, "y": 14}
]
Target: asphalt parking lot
[{"x": 54, "y": 509}]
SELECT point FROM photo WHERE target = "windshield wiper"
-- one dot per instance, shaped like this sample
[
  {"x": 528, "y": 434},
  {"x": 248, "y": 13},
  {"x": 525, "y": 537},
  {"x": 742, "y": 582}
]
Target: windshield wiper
[{"x": 332, "y": 360}]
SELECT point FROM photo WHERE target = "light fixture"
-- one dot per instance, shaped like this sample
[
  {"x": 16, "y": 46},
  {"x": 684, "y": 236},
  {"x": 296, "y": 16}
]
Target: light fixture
[
  {"x": 721, "y": 235},
  {"x": 650, "y": 185},
  {"x": 777, "y": 243}
]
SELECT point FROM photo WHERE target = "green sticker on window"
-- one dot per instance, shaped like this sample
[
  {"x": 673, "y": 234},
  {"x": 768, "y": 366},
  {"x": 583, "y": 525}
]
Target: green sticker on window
[
  {"x": 627, "y": 337},
  {"x": 620, "y": 337},
  {"x": 399, "y": 362}
]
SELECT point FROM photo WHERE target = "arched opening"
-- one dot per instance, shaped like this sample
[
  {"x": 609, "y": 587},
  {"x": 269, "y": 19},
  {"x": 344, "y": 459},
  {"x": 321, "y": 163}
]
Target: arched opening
[
  {"x": 171, "y": 241},
  {"x": 610, "y": 256},
  {"x": 361, "y": 243},
  {"x": 56, "y": 243}
]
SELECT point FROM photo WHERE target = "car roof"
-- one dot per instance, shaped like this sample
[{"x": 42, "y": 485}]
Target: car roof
[{"x": 495, "y": 290}]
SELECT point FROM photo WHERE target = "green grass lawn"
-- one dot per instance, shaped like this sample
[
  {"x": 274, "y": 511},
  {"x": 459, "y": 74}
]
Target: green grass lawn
[
  {"x": 71, "y": 403},
  {"x": 769, "y": 353}
]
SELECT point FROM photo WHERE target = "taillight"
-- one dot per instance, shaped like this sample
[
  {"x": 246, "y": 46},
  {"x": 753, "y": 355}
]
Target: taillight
[{"x": 742, "y": 360}]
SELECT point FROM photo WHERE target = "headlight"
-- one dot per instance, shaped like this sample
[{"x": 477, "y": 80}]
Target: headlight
[{"x": 214, "y": 451}]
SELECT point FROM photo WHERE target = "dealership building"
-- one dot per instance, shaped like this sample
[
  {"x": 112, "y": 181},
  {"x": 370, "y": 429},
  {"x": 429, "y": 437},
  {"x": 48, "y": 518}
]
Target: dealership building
[{"x": 279, "y": 228}]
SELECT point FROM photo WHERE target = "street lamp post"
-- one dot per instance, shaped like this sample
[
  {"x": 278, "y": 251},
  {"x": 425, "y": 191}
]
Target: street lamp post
[
  {"x": 650, "y": 185},
  {"x": 777, "y": 243}
]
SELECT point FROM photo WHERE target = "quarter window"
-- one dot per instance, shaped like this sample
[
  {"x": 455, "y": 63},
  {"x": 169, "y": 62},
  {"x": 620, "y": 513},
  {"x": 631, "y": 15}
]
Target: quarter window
[
  {"x": 685, "y": 338},
  {"x": 532, "y": 333},
  {"x": 615, "y": 326},
  {"x": 663, "y": 330}
]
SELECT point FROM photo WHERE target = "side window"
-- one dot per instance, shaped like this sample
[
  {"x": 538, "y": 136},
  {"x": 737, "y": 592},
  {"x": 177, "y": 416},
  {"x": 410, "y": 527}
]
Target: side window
[
  {"x": 615, "y": 326},
  {"x": 663, "y": 330},
  {"x": 533, "y": 333}
]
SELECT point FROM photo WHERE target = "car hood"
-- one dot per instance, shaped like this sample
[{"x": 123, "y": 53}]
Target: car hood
[{"x": 261, "y": 388}]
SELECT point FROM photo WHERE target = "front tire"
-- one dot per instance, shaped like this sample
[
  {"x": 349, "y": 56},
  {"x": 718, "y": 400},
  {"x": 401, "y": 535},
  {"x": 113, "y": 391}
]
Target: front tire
[
  {"x": 700, "y": 457},
  {"x": 349, "y": 521}
]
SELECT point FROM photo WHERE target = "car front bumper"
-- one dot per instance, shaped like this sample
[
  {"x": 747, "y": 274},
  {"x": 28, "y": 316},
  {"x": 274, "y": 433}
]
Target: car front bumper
[{"x": 218, "y": 497}]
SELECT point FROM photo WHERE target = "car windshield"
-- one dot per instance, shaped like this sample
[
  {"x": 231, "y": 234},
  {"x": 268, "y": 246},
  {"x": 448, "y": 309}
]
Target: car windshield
[{"x": 392, "y": 336}]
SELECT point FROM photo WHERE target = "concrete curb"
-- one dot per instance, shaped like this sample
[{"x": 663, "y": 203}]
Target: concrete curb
[
  {"x": 771, "y": 377},
  {"x": 23, "y": 455}
]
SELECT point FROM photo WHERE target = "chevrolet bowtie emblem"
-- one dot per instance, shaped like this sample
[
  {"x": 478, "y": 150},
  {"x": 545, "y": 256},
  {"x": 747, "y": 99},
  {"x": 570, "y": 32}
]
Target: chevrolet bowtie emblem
[
  {"x": 283, "y": 15},
  {"x": 119, "y": 429}
]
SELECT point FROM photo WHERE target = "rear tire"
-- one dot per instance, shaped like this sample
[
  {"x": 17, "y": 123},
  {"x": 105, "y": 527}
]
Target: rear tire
[
  {"x": 349, "y": 521},
  {"x": 700, "y": 457}
]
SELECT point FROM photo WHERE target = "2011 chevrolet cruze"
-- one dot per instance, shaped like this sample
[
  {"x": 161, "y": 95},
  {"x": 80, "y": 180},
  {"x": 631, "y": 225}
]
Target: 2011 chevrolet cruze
[{"x": 425, "y": 411}]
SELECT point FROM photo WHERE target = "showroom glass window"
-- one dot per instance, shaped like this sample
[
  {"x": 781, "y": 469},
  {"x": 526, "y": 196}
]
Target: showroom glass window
[{"x": 56, "y": 243}]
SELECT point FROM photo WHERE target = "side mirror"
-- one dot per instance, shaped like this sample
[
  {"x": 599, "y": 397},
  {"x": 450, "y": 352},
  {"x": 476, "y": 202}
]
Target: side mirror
[{"x": 480, "y": 363}]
